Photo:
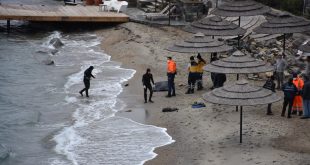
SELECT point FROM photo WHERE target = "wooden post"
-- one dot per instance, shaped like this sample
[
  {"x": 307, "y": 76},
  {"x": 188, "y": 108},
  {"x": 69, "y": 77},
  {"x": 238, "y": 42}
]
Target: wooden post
[
  {"x": 8, "y": 26},
  {"x": 240, "y": 124}
]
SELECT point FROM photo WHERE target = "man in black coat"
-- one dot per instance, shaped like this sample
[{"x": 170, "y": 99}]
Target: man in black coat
[
  {"x": 86, "y": 80},
  {"x": 147, "y": 79}
]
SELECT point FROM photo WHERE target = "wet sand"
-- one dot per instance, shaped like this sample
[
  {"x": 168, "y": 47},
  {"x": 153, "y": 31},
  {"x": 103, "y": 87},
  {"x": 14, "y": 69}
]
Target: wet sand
[{"x": 208, "y": 135}]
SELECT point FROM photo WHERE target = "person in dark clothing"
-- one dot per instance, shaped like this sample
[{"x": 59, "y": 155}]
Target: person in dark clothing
[
  {"x": 305, "y": 93},
  {"x": 290, "y": 91},
  {"x": 219, "y": 80},
  {"x": 271, "y": 85},
  {"x": 213, "y": 75},
  {"x": 86, "y": 80},
  {"x": 147, "y": 79}
]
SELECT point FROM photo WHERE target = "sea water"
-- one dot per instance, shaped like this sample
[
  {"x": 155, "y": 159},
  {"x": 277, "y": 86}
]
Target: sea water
[{"x": 44, "y": 120}]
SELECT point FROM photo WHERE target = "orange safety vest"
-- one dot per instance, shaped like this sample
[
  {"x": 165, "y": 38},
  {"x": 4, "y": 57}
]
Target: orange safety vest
[
  {"x": 297, "y": 103},
  {"x": 171, "y": 66}
]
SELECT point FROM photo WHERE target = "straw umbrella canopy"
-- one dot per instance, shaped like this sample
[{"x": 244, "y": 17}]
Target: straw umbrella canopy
[
  {"x": 305, "y": 49},
  {"x": 238, "y": 63},
  {"x": 237, "y": 8},
  {"x": 241, "y": 94},
  {"x": 199, "y": 44},
  {"x": 215, "y": 26},
  {"x": 283, "y": 22}
]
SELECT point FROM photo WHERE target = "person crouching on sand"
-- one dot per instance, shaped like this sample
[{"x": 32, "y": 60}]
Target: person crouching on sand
[
  {"x": 171, "y": 72},
  {"x": 86, "y": 80},
  {"x": 147, "y": 78}
]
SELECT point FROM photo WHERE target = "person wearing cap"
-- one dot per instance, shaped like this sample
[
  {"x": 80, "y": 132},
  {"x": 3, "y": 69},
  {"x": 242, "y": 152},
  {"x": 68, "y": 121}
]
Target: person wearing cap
[
  {"x": 306, "y": 98},
  {"x": 147, "y": 79},
  {"x": 297, "y": 103},
  {"x": 192, "y": 75},
  {"x": 280, "y": 66},
  {"x": 290, "y": 91},
  {"x": 171, "y": 72},
  {"x": 201, "y": 63},
  {"x": 86, "y": 80},
  {"x": 269, "y": 84}
]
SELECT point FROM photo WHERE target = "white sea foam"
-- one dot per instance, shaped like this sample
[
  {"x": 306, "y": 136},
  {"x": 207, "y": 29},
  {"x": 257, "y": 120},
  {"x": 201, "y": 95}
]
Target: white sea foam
[{"x": 97, "y": 135}]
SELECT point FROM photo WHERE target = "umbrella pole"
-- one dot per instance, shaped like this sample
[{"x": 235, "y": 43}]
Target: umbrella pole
[
  {"x": 217, "y": 3},
  {"x": 238, "y": 35},
  {"x": 283, "y": 53},
  {"x": 240, "y": 124},
  {"x": 169, "y": 11},
  {"x": 237, "y": 80}
]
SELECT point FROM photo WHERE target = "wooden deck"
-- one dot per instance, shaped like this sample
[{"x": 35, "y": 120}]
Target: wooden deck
[{"x": 78, "y": 13}]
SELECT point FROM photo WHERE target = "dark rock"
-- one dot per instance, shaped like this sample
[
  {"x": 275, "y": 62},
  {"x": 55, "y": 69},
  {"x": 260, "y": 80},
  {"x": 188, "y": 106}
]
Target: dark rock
[
  {"x": 4, "y": 152},
  {"x": 49, "y": 62}
]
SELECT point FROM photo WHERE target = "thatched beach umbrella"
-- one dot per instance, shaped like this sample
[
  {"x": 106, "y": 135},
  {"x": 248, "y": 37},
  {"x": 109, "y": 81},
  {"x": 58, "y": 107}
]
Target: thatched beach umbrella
[
  {"x": 283, "y": 23},
  {"x": 241, "y": 94},
  {"x": 237, "y": 8},
  {"x": 199, "y": 44},
  {"x": 215, "y": 26},
  {"x": 238, "y": 63},
  {"x": 305, "y": 49}
]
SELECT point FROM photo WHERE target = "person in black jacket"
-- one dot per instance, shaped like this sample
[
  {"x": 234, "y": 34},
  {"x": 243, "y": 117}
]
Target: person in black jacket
[
  {"x": 147, "y": 79},
  {"x": 306, "y": 98},
  {"x": 86, "y": 80},
  {"x": 269, "y": 84},
  {"x": 290, "y": 91}
]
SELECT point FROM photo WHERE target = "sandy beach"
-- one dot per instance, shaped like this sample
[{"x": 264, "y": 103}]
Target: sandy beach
[{"x": 204, "y": 136}]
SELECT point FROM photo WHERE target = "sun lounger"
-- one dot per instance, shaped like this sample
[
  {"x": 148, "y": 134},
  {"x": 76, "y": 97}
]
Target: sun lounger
[{"x": 164, "y": 14}]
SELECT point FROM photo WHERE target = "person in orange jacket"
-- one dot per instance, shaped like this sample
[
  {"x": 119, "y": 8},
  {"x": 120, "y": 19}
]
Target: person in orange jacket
[
  {"x": 297, "y": 103},
  {"x": 171, "y": 72}
]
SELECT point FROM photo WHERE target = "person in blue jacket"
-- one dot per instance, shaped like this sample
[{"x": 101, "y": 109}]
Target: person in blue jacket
[{"x": 290, "y": 91}]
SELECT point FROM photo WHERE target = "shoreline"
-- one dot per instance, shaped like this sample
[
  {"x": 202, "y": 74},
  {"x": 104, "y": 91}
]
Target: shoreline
[{"x": 207, "y": 135}]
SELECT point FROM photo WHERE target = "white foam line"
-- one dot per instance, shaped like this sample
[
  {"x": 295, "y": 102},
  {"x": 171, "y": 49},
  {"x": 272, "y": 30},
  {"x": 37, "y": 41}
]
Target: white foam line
[{"x": 163, "y": 130}]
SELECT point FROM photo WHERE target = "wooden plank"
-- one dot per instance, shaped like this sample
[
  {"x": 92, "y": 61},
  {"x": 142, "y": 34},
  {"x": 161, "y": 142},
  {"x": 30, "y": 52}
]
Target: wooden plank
[{"x": 59, "y": 13}]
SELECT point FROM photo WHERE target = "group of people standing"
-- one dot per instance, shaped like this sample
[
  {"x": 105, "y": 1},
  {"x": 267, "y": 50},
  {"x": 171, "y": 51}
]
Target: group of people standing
[{"x": 296, "y": 91}]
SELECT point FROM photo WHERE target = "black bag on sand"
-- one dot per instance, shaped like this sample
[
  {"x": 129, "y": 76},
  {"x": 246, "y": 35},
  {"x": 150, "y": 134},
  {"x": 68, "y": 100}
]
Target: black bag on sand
[{"x": 168, "y": 109}]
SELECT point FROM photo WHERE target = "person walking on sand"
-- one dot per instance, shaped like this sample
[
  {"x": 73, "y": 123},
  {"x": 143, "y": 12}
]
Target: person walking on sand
[
  {"x": 192, "y": 75},
  {"x": 147, "y": 79},
  {"x": 86, "y": 80},
  {"x": 290, "y": 91},
  {"x": 171, "y": 72},
  {"x": 297, "y": 103},
  {"x": 280, "y": 66},
  {"x": 201, "y": 64},
  {"x": 269, "y": 84},
  {"x": 306, "y": 98}
]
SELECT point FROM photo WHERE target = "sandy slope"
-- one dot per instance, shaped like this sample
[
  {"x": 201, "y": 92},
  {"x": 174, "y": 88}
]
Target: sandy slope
[{"x": 208, "y": 135}]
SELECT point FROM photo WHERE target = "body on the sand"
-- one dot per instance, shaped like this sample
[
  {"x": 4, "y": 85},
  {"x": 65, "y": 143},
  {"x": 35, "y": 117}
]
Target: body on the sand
[
  {"x": 147, "y": 81},
  {"x": 87, "y": 76},
  {"x": 171, "y": 72}
]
